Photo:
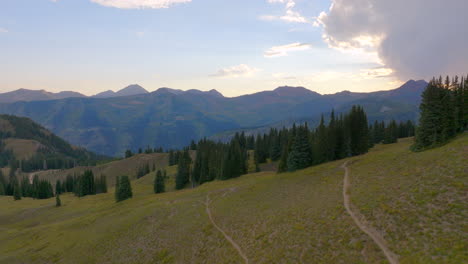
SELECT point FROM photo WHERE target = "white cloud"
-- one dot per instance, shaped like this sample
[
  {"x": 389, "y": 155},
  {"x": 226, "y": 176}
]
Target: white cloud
[
  {"x": 279, "y": 51},
  {"x": 3, "y": 30},
  {"x": 290, "y": 16},
  {"x": 415, "y": 39},
  {"x": 376, "y": 73},
  {"x": 139, "y": 4},
  {"x": 241, "y": 70}
]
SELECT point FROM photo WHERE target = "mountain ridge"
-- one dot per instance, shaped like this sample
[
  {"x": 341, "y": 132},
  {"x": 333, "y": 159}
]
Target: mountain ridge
[{"x": 171, "y": 118}]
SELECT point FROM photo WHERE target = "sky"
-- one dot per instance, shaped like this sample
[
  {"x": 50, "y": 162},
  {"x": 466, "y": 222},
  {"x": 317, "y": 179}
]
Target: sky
[{"x": 234, "y": 46}]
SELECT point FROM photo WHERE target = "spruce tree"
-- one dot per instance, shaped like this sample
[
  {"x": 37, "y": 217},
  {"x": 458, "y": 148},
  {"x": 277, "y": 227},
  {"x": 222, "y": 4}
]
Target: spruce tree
[
  {"x": 124, "y": 191},
  {"x": 2, "y": 184},
  {"x": 16, "y": 190},
  {"x": 58, "y": 187},
  {"x": 391, "y": 133},
  {"x": 300, "y": 156},
  {"x": 2, "y": 189},
  {"x": 58, "y": 202},
  {"x": 159, "y": 185},
  {"x": 431, "y": 123},
  {"x": 183, "y": 170}
]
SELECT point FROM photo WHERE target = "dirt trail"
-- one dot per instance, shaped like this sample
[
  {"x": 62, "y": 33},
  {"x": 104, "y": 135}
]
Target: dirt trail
[
  {"x": 370, "y": 231},
  {"x": 228, "y": 238}
]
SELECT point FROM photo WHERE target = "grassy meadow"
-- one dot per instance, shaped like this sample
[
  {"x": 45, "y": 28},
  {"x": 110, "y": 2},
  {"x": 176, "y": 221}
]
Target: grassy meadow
[{"x": 417, "y": 200}]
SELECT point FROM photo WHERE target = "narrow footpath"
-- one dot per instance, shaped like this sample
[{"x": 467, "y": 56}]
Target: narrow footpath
[
  {"x": 228, "y": 238},
  {"x": 370, "y": 231}
]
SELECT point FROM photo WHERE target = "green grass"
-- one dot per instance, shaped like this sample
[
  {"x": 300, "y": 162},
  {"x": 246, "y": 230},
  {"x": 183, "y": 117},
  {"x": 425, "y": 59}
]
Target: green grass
[
  {"x": 275, "y": 218},
  {"x": 418, "y": 200}
]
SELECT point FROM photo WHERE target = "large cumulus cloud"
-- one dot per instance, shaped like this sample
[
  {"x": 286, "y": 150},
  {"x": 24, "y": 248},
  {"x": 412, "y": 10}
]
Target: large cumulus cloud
[{"x": 415, "y": 38}]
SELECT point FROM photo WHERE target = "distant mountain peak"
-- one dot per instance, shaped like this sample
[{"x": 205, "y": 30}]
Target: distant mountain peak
[
  {"x": 28, "y": 95},
  {"x": 133, "y": 89},
  {"x": 168, "y": 90},
  {"x": 215, "y": 92},
  {"x": 412, "y": 84},
  {"x": 294, "y": 91}
]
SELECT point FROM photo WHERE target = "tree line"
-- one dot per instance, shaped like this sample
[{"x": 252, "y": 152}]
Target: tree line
[
  {"x": 444, "y": 112},
  {"x": 294, "y": 148},
  {"x": 80, "y": 185}
]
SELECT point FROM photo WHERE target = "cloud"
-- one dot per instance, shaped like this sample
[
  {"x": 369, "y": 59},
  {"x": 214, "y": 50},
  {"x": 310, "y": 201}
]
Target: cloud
[
  {"x": 279, "y": 51},
  {"x": 415, "y": 39},
  {"x": 3, "y": 30},
  {"x": 241, "y": 70},
  {"x": 139, "y": 4},
  {"x": 376, "y": 73},
  {"x": 290, "y": 16}
]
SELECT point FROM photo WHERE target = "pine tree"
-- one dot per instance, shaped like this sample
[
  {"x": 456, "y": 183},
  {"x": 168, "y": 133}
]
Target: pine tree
[
  {"x": 58, "y": 187},
  {"x": 301, "y": 153},
  {"x": 321, "y": 143},
  {"x": 58, "y": 202},
  {"x": 431, "y": 123},
  {"x": 2, "y": 189},
  {"x": 391, "y": 133},
  {"x": 2, "y": 184},
  {"x": 103, "y": 183},
  {"x": 16, "y": 190},
  {"x": 128, "y": 154},
  {"x": 283, "y": 163},
  {"x": 159, "y": 185},
  {"x": 183, "y": 170},
  {"x": 124, "y": 191}
]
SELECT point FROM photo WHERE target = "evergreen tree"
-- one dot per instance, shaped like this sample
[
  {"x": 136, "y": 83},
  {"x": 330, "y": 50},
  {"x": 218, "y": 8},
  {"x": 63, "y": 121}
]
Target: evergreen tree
[
  {"x": 321, "y": 143},
  {"x": 283, "y": 163},
  {"x": 58, "y": 202},
  {"x": 124, "y": 191},
  {"x": 58, "y": 187},
  {"x": 235, "y": 163},
  {"x": 128, "y": 154},
  {"x": 2, "y": 189},
  {"x": 171, "y": 158},
  {"x": 2, "y": 184},
  {"x": 391, "y": 133},
  {"x": 103, "y": 183},
  {"x": 301, "y": 154},
  {"x": 16, "y": 190},
  {"x": 183, "y": 170},
  {"x": 159, "y": 185},
  {"x": 431, "y": 123}
]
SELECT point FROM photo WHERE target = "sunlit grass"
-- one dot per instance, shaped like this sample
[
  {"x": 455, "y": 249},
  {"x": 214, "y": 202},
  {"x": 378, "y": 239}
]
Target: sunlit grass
[{"x": 418, "y": 199}]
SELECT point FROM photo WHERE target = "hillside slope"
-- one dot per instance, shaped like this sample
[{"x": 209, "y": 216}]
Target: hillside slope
[
  {"x": 287, "y": 218},
  {"x": 22, "y": 139}
]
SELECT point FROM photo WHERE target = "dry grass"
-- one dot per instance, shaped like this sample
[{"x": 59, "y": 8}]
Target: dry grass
[
  {"x": 121, "y": 167},
  {"x": 22, "y": 148}
]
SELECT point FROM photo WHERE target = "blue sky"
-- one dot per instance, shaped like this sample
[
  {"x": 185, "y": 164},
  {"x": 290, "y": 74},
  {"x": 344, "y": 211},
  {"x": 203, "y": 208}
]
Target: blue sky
[{"x": 234, "y": 46}]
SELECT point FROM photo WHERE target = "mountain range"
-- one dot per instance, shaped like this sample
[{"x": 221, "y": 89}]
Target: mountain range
[
  {"x": 172, "y": 118},
  {"x": 42, "y": 95}
]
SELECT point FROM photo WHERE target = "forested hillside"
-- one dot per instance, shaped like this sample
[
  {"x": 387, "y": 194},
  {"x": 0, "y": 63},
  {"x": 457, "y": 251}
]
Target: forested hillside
[{"x": 30, "y": 147}]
